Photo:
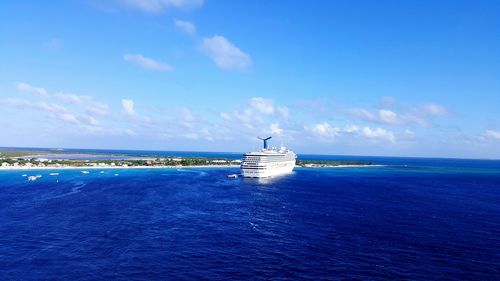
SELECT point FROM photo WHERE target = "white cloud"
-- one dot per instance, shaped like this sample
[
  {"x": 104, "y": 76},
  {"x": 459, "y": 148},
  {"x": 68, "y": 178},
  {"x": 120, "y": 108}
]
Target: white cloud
[
  {"x": 275, "y": 129},
  {"x": 128, "y": 107},
  {"x": 491, "y": 134},
  {"x": 225, "y": 116},
  {"x": 185, "y": 26},
  {"x": 435, "y": 109},
  {"x": 61, "y": 113},
  {"x": 53, "y": 44},
  {"x": 16, "y": 103},
  {"x": 148, "y": 63},
  {"x": 156, "y": 6},
  {"x": 185, "y": 113},
  {"x": 66, "y": 117},
  {"x": 88, "y": 120},
  {"x": 386, "y": 116},
  {"x": 25, "y": 87},
  {"x": 378, "y": 133},
  {"x": 54, "y": 110},
  {"x": 389, "y": 117},
  {"x": 283, "y": 111},
  {"x": 52, "y": 107},
  {"x": 192, "y": 136},
  {"x": 72, "y": 98},
  {"x": 382, "y": 116},
  {"x": 225, "y": 54},
  {"x": 185, "y": 117},
  {"x": 351, "y": 129},
  {"x": 258, "y": 113},
  {"x": 93, "y": 107},
  {"x": 98, "y": 108},
  {"x": 409, "y": 133},
  {"x": 324, "y": 130},
  {"x": 262, "y": 105},
  {"x": 419, "y": 114}
]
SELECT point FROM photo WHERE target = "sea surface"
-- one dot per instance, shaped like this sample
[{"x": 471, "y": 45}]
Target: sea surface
[{"x": 410, "y": 219}]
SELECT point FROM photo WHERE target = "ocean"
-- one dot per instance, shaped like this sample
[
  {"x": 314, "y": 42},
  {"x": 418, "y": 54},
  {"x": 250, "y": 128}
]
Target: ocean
[{"x": 410, "y": 219}]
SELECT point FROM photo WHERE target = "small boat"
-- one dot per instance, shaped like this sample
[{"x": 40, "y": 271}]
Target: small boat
[
  {"x": 54, "y": 174},
  {"x": 24, "y": 175},
  {"x": 85, "y": 172},
  {"x": 32, "y": 178},
  {"x": 232, "y": 176}
]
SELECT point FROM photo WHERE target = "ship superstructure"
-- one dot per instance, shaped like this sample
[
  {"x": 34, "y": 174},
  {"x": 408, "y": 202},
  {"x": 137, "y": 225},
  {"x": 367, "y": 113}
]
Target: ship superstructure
[{"x": 268, "y": 161}]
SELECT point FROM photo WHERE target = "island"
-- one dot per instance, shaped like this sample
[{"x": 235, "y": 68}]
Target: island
[
  {"x": 59, "y": 159},
  {"x": 332, "y": 163}
]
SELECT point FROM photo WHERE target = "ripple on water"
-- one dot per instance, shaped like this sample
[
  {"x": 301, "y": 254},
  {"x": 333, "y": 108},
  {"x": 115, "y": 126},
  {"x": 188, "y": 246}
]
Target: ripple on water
[{"x": 155, "y": 224}]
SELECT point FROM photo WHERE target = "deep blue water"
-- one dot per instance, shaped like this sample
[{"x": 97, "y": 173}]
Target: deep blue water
[{"x": 413, "y": 219}]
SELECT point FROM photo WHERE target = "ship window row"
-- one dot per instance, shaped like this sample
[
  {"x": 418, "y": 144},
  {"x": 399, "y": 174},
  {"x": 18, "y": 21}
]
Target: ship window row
[{"x": 268, "y": 159}]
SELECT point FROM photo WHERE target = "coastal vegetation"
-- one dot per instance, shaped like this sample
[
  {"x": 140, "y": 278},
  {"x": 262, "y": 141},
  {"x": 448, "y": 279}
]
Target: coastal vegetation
[
  {"x": 27, "y": 158},
  {"x": 331, "y": 163},
  {"x": 158, "y": 162}
]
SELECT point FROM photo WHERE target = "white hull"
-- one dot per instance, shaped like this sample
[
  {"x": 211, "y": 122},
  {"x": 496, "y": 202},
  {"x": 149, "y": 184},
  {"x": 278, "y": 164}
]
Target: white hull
[
  {"x": 268, "y": 162},
  {"x": 270, "y": 170}
]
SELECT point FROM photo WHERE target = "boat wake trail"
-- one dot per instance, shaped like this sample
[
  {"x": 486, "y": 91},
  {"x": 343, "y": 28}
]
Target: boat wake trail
[{"x": 77, "y": 188}]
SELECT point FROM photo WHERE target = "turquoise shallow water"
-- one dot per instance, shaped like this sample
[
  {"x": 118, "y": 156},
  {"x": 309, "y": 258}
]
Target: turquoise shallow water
[{"x": 412, "y": 219}]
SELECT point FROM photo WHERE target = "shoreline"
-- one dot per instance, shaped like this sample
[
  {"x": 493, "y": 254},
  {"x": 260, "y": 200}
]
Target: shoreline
[
  {"x": 114, "y": 167},
  {"x": 344, "y": 166},
  {"x": 23, "y": 168}
]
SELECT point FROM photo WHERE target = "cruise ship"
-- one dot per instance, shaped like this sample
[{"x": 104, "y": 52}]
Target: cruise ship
[{"x": 268, "y": 162}]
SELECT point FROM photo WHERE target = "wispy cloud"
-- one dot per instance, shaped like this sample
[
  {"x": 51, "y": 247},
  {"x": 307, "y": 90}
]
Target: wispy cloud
[
  {"x": 148, "y": 63},
  {"x": 283, "y": 111},
  {"x": 262, "y": 105},
  {"x": 421, "y": 115},
  {"x": 258, "y": 110},
  {"x": 377, "y": 133},
  {"x": 225, "y": 116},
  {"x": 72, "y": 98},
  {"x": 275, "y": 129},
  {"x": 98, "y": 109},
  {"x": 386, "y": 116},
  {"x": 128, "y": 107},
  {"x": 156, "y": 6},
  {"x": 491, "y": 134},
  {"x": 327, "y": 132},
  {"x": 323, "y": 130},
  {"x": 53, "y": 44},
  {"x": 185, "y": 26},
  {"x": 25, "y": 87},
  {"x": 93, "y": 108},
  {"x": 225, "y": 54},
  {"x": 435, "y": 109},
  {"x": 53, "y": 110}
]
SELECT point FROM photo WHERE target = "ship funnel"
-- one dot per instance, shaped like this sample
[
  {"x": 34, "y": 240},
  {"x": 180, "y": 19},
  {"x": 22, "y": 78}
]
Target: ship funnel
[{"x": 265, "y": 141}]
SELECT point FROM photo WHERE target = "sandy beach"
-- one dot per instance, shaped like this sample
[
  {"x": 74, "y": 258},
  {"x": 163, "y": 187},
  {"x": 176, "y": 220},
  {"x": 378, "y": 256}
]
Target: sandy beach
[
  {"x": 115, "y": 167},
  {"x": 162, "y": 167}
]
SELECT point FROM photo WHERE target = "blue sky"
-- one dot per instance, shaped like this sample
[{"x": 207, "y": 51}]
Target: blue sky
[{"x": 408, "y": 78}]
